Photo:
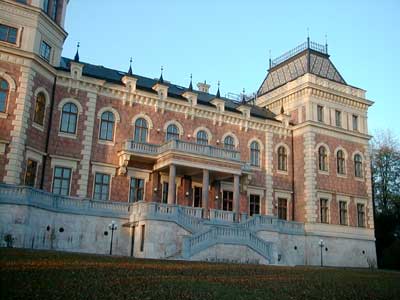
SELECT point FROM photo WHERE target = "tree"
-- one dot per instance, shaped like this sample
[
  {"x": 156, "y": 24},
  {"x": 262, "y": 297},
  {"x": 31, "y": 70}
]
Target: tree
[{"x": 385, "y": 160}]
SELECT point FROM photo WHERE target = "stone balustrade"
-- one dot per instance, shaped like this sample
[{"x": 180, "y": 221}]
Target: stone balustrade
[
  {"x": 221, "y": 215},
  {"x": 182, "y": 146}
]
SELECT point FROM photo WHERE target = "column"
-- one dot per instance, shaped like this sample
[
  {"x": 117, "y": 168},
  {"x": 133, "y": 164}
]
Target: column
[
  {"x": 206, "y": 183},
  {"x": 236, "y": 196},
  {"x": 171, "y": 185}
]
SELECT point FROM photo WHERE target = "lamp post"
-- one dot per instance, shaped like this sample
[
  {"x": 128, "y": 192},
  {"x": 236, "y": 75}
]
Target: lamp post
[
  {"x": 112, "y": 226},
  {"x": 321, "y": 245}
]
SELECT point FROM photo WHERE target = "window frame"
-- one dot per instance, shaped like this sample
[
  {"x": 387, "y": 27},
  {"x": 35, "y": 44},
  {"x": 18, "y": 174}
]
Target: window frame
[
  {"x": 282, "y": 208},
  {"x": 108, "y": 123},
  {"x": 231, "y": 145},
  {"x": 137, "y": 189},
  {"x": 227, "y": 200},
  {"x": 63, "y": 168},
  {"x": 40, "y": 94},
  {"x": 255, "y": 154},
  {"x": 343, "y": 219},
  {"x": 326, "y": 210},
  {"x": 320, "y": 113},
  {"x": 340, "y": 162},
  {"x": 174, "y": 134},
  {"x": 45, "y": 49},
  {"x": 282, "y": 159},
  {"x": 338, "y": 118},
  {"x": 7, "y": 40},
  {"x": 355, "y": 119},
  {"x": 358, "y": 166},
  {"x": 102, "y": 184},
  {"x": 253, "y": 205},
  {"x": 6, "y": 94},
  {"x": 202, "y": 137},
  {"x": 323, "y": 159},
  {"x": 363, "y": 213},
  {"x": 69, "y": 113},
  {"x": 141, "y": 130},
  {"x": 35, "y": 172}
]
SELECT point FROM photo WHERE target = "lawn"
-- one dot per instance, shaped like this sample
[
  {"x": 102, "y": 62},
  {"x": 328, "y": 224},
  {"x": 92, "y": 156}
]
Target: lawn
[{"x": 26, "y": 274}]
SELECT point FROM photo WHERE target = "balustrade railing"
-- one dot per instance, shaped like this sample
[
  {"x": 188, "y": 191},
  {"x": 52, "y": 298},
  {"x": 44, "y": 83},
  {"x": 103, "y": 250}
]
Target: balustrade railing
[
  {"x": 221, "y": 215},
  {"x": 182, "y": 146}
]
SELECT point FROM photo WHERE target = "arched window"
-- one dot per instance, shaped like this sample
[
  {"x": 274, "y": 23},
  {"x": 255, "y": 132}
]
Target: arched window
[
  {"x": 202, "y": 137},
  {"x": 107, "y": 126},
  {"x": 255, "y": 154},
  {"x": 282, "y": 159},
  {"x": 358, "y": 166},
  {"x": 172, "y": 132},
  {"x": 4, "y": 89},
  {"x": 141, "y": 130},
  {"x": 322, "y": 159},
  {"x": 229, "y": 142},
  {"x": 69, "y": 118},
  {"x": 340, "y": 162},
  {"x": 40, "y": 108}
]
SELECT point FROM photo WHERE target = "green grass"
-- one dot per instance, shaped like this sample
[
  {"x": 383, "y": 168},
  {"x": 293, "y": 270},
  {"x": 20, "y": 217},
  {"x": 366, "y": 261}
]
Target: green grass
[{"x": 26, "y": 274}]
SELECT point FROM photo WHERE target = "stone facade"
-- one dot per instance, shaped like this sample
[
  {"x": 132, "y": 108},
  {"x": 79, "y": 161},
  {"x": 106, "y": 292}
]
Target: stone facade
[{"x": 230, "y": 182}]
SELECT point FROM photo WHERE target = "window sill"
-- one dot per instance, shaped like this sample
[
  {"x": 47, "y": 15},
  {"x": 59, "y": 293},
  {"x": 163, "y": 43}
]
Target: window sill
[
  {"x": 282, "y": 172},
  {"x": 341, "y": 175},
  {"x": 361, "y": 179},
  {"x": 38, "y": 126},
  {"x": 107, "y": 143},
  {"x": 3, "y": 115},
  {"x": 255, "y": 168},
  {"x": 323, "y": 172},
  {"x": 67, "y": 135}
]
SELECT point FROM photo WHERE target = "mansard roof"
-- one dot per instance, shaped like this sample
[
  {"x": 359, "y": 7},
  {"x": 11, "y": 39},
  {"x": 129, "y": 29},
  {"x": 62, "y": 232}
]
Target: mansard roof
[
  {"x": 174, "y": 91},
  {"x": 308, "y": 57}
]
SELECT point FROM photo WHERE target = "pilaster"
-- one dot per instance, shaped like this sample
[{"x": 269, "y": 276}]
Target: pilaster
[
  {"x": 368, "y": 183},
  {"x": 268, "y": 172},
  {"x": 20, "y": 125},
  {"x": 310, "y": 177},
  {"x": 87, "y": 145}
]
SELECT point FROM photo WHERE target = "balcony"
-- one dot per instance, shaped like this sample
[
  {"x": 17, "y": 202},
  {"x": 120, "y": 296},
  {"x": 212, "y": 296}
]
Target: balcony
[{"x": 183, "y": 147}]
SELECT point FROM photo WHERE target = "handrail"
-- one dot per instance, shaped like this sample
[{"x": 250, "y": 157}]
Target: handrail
[{"x": 182, "y": 146}]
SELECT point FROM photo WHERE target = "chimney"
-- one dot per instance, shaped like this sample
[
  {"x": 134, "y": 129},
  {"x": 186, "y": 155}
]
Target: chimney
[{"x": 203, "y": 87}]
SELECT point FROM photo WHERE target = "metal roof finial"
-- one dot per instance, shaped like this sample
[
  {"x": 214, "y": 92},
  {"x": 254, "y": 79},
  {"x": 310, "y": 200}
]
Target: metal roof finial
[
  {"x": 191, "y": 85},
  {"x": 76, "y": 58},
  {"x": 326, "y": 43},
  {"x": 218, "y": 93},
  {"x": 244, "y": 97},
  {"x": 130, "y": 67},
  {"x": 161, "y": 80},
  {"x": 270, "y": 59},
  {"x": 308, "y": 37}
]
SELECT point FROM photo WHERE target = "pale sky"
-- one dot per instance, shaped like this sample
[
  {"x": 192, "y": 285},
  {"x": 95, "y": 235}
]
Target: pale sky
[{"x": 230, "y": 41}]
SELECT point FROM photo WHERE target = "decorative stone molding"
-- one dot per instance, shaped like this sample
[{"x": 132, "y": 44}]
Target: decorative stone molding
[
  {"x": 87, "y": 144},
  {"x": 177, "y": 124},
  {"x": 64, "y": 161},
  {"x": 209, "y": 134},
  {"x": 230, "y": 133},
  {"x": 309, "y": 177},
  {"x": 104, "y": 168},
  {"x": 111, "y": 109}
]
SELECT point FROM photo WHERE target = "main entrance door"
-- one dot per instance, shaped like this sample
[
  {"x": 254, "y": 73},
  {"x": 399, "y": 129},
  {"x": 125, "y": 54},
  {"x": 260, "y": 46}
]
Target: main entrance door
[{"x": 197, "y": 197}]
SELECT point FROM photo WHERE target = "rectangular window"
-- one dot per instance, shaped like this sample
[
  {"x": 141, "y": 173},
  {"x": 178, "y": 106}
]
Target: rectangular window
[
  {"x": 254, "y": 205},
  {"x": 338, "y": 118},
  {"x": 355, "y": 123},
  {"x": 137, "y": 190},
  {"x": 343, "y": 212},
  {"x": 8, "y": 34},
  {"x": 197, "y": 196},
  {"x": 54, "y": 9},
  {"x": 320, "y": 113},
  {"x": 282, "y": 208},
  {"x": 324, "y": 210},
  {"x": 142, "y": 232},
  {"x": 30, "y": 174},
  {"x": 45, "y": 51},
  {"x": 101, "y": 186},
  {"x": 165, "y": 192},
  {"x": 61, "y": 180},
  {"x": 227, "y": 200},
  {"x": 360, "y": 215}
]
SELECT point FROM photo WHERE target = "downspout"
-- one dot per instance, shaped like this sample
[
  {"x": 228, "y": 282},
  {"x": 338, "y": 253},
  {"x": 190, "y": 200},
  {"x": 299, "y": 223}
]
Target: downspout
[
  {"x": 48, "y": 133},
  {"x": 293, "y": 193}
]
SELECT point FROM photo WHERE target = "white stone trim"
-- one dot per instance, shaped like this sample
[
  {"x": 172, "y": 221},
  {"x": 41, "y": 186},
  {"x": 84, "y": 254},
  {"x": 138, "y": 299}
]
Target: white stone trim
[
  {"x": 177, "y": 124},
  {"x": 288, "y": 197},
  {"x": 310, "y": 184},
  {"x": 360, "y": 153},
  {"x": 209, "y": 134},
  {"x": 33, "y": 155},
  {"x": 3, "y": 145},
  {"x": 104, "y": 168},
  {"x": 268, "y": 173},
  {"x": 110, "y": 109},
  {"x": 254, "y": 139},
  {"x": 328, "y": 196},
  {"x": 144, "y": 187},
  {"x": 139, "y": 173},
  {"x": 67, "y": 100},
  {"x": 15, "y": 156},
  {"x": 346, "y": 157},
  {"x": 11, "y": 82},
  {"x": 144, "y": 116},
  {"x": 87, "y": 145},
  {"x": 109, "y": 184},
  {"x": 230, "y": 133},
  {"x": 63, "y": 161}
]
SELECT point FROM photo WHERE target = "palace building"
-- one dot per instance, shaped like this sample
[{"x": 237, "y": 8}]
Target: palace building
[{"x": 280, "y": 178}]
